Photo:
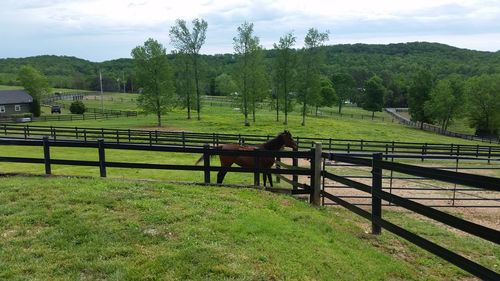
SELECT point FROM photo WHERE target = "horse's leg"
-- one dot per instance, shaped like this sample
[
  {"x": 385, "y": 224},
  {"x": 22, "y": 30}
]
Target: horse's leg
[
  {"x": 225, "y": 162},
  {"x": 264, "y": 178},
  {"x": 270, "y": 179},
  {"x": 220, "y": 176}
]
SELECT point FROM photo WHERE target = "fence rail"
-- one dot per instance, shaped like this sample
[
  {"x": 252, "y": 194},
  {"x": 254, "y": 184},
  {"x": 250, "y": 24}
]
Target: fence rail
[
  {"x": 487, "y": 152},
  {"x": 419, "y": 188},
  {"x": 377, "y": 194},
  {"x": 437, "y": 129}
]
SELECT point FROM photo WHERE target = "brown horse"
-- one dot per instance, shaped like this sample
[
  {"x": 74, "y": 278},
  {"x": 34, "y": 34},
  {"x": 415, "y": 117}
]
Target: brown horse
[{"x": 280, "y": 141}]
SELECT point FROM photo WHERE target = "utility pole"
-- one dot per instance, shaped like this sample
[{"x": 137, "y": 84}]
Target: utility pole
[
  {"x": 102, "y": 96},
  {"x": 124, "y": 82}
]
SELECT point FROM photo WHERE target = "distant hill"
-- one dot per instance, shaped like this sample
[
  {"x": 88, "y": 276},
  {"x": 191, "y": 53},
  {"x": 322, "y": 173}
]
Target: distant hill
[{"x": 360, "y": 60}]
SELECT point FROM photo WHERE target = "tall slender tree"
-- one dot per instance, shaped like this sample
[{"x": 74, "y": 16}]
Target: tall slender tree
[
  {"x": 373, "y": 99},
  {"x": 35, "y": 84},
  {"x": 328, "y": 96},
  {"x": 419, "y": 93},
  {"x": 312, "y": 58},
  {"x": 345, "y": 88},
  {"x": 184, "y": 81},
  {"x": 258, "y": 84},
  {"x": 190, "y": 42},
  {"x": 284, "y": 72},
  {"x": 154, "y": 75},
  {"x": 245, "y": 45}
]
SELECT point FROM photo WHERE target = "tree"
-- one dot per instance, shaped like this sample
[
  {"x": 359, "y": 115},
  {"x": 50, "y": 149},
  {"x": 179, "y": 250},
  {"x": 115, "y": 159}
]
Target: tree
[
  {"x": 183, "y": 81},
  {"x": 190, "y": 42},
  {"x": 312, "y": 58},
  {"x": 35, "y": 84},
  {"x": 419, "y": 93},
  {"x": 344, "y": 86},
  {"x": 258, "y": 84},
  {"x": 245, "y": 45},
  {"x": 225, "y": 85},
  {"x": 397, "y": 94},
  {"x": 483, "y": 96},
  {"x": 446, "y": 100},
  {"x": 374, "y": 95},
  {"x": 154, "y": 75},
  {"x": 284, "y": 72},
  {"x": 328, "y": 97}
]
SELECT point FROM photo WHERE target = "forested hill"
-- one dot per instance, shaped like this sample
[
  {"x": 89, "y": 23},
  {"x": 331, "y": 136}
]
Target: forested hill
[{"x": 360, "y": 60}]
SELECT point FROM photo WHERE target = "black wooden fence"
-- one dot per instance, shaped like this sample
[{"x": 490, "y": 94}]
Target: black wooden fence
[
  {"x": 420, "y": 189},
  {"x": 186, "y": 139},
  {"x": 315, "y": 172},
  {"x": 206, "y": 150},
  {"x": 377, "y": 195}
]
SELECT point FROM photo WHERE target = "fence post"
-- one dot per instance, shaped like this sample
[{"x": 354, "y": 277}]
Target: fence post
[
  {"x": 295, "y": 164},
  {"x": 102, "y": 158},
  {"x": 46, "y": 155},
  {"x": 206, "y": 163},
  {"x": 315, "y": 198},
  {"x": 489, "y": 155},
  {"x": 376, "y": 186}
]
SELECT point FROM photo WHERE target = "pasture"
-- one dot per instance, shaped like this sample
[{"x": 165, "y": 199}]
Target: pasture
[
  {"x": 148, "y": 227},
  {"x": 127, "y": 101},
  {"x": 229, "y": 120},
  {"x": 74, "y": 228}
]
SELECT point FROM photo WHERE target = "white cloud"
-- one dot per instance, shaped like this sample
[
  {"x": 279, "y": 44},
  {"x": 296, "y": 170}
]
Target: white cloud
[{"x": 35, "y": 26}]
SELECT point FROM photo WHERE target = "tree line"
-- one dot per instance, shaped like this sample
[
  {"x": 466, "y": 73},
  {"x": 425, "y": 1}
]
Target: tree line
[
  {"x": 295, "y": 75},
  {"x": 437, "y": 82}
]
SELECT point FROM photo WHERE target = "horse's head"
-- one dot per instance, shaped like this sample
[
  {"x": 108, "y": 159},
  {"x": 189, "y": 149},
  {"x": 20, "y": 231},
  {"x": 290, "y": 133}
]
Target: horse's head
[{"x": 288, "y": 140}]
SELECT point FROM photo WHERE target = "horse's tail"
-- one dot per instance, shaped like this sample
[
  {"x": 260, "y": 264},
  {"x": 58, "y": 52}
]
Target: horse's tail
[
  {"x": 199, "y": 160},
  {"x": 201, "y": 157}
]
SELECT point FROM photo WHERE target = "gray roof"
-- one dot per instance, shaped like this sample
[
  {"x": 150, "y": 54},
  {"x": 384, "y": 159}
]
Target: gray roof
[{"x": 14, "y": 97}]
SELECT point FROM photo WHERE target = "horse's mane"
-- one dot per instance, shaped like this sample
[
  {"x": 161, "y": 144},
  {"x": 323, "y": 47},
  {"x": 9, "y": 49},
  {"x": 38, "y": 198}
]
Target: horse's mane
[{"x": 274, "y": 144}]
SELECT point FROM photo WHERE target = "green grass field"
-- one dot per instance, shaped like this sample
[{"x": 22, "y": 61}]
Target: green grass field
[
  {"x": 229, "y": 120},
  {"x": 5, "y": 87},
  {"x": 63, "y": 228},
  {"x": 93, "y": 229}
]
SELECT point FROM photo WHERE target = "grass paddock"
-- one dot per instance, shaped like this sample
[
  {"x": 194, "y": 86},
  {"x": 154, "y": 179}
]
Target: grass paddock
[{"x": 71, "y": 228}]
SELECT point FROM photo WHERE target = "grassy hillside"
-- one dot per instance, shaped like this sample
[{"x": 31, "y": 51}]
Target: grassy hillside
[
  {"x": 88, "y": 229},
  {"x": 230, "y": 120}
]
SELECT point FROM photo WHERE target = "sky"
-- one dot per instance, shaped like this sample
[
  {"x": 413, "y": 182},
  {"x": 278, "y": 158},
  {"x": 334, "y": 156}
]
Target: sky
[{"x": 99, "y": 30}]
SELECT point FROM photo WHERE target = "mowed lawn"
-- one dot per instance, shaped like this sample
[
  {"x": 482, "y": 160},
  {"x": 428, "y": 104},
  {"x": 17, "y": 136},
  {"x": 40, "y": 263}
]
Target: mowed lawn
[{"x": 92, "y": 229}]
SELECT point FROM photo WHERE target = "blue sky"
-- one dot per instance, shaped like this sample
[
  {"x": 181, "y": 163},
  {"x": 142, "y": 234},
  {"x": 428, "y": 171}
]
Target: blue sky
[{"x": 100, "y": 30}]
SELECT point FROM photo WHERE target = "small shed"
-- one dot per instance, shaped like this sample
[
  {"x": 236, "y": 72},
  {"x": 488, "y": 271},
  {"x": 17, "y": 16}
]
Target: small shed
[{"x": 14, "y": 102}]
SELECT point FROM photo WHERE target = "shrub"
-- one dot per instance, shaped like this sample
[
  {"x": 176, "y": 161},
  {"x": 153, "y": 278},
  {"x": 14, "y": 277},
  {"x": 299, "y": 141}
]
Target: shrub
[{"x": 77, "y": 107}]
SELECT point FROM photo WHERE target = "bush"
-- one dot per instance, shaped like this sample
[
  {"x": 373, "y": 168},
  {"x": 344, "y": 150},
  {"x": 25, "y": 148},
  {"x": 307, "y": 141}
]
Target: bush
[{"x": 77, "y": 107}]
